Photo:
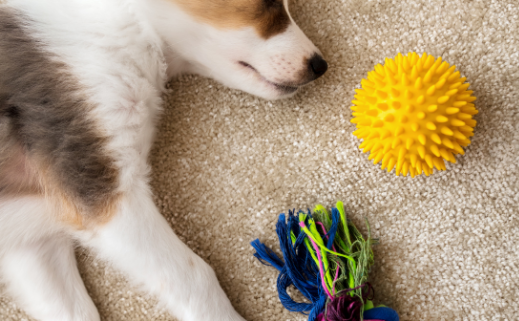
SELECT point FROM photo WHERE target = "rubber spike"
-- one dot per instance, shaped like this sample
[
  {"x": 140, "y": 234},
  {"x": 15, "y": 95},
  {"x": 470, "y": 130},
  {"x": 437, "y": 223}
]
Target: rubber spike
[
  {"x": 428, "y": 160},
  {"x": 434, "y": 149},
  {"x": 435, "y": 138},
  {"x": 391, "y": 164},
  {"x": 438, "y": 163}
]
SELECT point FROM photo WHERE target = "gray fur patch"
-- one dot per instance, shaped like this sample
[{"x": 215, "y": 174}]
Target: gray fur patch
[{"x": 43, "y": 111}]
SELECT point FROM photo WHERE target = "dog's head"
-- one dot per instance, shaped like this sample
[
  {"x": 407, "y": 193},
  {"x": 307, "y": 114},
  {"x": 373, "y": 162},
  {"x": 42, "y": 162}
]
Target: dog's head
[{"x": 252, "y": 45}]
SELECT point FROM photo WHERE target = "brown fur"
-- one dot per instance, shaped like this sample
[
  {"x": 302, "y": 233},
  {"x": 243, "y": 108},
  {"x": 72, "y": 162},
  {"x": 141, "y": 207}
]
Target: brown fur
[
  {"x": 48, "y": 144},
  {"x": 70, "y": 208},
  {"x": 16, "y": 176},
  {"x": 268, "y": 17},
  {"x": 71, "y": 212}
]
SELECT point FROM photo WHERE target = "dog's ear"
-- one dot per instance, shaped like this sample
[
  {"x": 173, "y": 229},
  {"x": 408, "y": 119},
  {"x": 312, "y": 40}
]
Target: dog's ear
[{"x": 274, "y": 19}]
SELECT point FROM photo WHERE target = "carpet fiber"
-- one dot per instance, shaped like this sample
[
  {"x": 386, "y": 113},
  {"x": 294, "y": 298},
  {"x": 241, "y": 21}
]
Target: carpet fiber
[{"x": 226, "y": 164}]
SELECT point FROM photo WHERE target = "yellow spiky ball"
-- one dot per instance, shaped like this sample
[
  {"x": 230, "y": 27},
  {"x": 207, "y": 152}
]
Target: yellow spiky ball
[{"x": 413, "y": 113}]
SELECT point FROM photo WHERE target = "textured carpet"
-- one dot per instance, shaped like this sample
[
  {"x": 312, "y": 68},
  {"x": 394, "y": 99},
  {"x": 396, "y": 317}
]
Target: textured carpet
[{"x": 226, "y": 164}]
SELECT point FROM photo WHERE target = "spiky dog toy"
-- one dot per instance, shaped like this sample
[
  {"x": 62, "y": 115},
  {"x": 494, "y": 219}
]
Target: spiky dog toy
[
  {"x": 413, "y": 114},
  {"x": 328, "y": 260}
]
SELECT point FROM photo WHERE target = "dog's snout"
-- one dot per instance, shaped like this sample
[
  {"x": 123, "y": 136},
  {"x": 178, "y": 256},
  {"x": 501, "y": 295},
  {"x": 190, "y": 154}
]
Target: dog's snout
[{"x": 317, "y": 65}]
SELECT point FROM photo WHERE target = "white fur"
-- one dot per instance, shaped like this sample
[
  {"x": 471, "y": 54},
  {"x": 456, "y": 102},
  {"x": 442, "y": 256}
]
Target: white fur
[
  {"x": 38, "y": 265},
  {"x": 122, "y": 52}
]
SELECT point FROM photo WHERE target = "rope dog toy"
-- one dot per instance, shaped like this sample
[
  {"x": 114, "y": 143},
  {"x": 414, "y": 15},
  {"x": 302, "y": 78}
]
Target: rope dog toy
[{"x": 327, "y": 259}]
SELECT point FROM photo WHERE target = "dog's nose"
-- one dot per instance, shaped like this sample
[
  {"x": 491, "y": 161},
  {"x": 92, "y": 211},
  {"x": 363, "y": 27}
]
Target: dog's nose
[{"x": 318, "y": 65}]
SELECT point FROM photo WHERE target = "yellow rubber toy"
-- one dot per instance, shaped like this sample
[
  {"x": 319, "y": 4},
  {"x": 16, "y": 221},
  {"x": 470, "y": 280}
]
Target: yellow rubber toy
[{"x": 413, "y": 113}]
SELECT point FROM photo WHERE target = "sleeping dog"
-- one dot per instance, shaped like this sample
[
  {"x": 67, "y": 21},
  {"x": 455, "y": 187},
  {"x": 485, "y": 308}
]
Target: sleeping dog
[{"x": 80, "y": 93}]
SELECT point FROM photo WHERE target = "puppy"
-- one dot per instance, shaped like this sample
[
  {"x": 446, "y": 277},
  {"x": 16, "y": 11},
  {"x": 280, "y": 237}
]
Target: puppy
[{"x": 80, "y": 92}]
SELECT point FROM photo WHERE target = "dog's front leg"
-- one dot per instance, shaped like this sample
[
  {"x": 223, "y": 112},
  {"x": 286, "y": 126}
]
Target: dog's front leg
[{"x": 139, "y": 241}]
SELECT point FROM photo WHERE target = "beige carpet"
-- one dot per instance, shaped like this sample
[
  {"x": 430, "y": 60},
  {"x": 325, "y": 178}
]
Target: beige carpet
[{"x": 226, "y": 164}]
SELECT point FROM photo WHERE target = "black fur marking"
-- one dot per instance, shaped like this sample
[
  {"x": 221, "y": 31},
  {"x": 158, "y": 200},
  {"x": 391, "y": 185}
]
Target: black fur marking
[{"x": 43, "y": 110}]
